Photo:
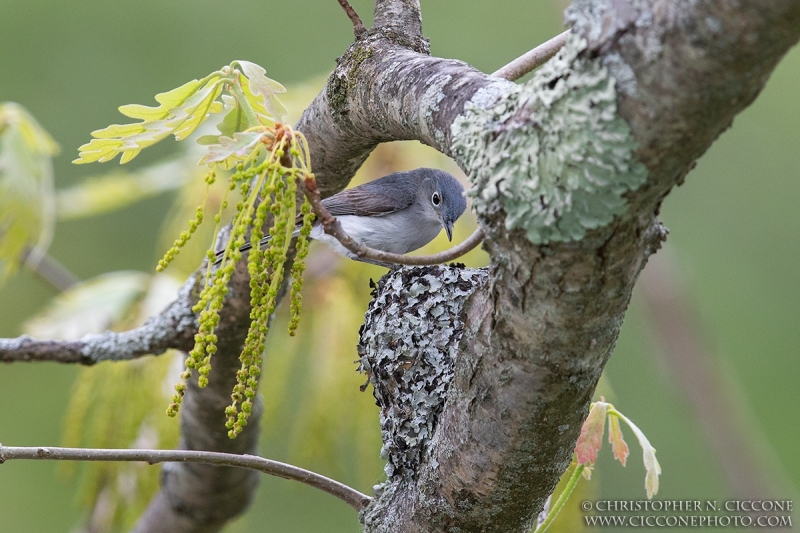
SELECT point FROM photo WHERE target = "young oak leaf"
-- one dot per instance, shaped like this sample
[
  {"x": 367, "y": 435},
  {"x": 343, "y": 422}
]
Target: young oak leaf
[
  {"x": 231, "y": 150},
  {"x": 234, "y": 119},
  {"x": 26, "y": 188},
  {"x": 168, "y": 100},
  {"x": 591, "y": 437},
  {"x": 649, "y": 456},
  {"x": 181, "y": 111},
  {"x": 264, "y": 90},
  {"x": 618, "y": 444}
]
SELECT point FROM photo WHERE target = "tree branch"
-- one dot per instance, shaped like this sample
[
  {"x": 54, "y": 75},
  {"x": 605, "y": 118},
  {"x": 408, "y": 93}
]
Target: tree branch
[
  {"x": 514, "y": 70},
  {"x": 533, "y": 59},
  {"x": 568, "y": 172},
  {"x": 172, "y": 328},
  {"x": 350, "y": 496},
  {"x": 154, "y": 338},
  {"x": 402, "y": 19},
  {"x": 358, "y": 26}
]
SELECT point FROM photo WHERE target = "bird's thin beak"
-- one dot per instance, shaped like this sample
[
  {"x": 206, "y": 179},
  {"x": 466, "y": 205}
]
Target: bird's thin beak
[{"x": 448, "y": 227}]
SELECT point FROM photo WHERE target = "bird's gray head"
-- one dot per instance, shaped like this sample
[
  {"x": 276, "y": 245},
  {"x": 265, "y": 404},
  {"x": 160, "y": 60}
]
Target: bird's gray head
[{"x": 442, "y": 196}]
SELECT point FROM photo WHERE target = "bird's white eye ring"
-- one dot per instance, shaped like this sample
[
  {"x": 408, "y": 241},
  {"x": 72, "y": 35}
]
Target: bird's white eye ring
[{"x": 436, "y": 199}]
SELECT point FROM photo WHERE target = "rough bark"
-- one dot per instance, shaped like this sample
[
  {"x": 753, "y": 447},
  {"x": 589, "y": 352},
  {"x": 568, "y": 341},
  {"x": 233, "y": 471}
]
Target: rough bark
[
  {"x": 569, "y": 171},
  {"x": 539, "y": 331},
  {"x": 174, "y": 328}
]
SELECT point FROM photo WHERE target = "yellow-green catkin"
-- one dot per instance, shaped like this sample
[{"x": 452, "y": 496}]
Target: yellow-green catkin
[
  {"x": 266, "y": 274},
  {"x": 268, "y": 189},
  {"x": 211, "y": 298},
  {"x": 299, "y": 266},
  {"x": 193, "y": 225}
]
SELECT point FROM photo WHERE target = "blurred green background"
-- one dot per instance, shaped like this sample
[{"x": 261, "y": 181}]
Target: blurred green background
[{"x": 734, "y": 249}]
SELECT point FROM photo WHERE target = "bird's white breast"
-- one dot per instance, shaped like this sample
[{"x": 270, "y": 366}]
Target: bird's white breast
[{"x": 397, "y": 233}]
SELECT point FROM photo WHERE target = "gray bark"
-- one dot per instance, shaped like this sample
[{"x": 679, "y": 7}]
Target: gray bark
[
  {"x": 482, "y": 402},
  {"x": 541, "y": 328},
  {"x": 174, "y": 327}
]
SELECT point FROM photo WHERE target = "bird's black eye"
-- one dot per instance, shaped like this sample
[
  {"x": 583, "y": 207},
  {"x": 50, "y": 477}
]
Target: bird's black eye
[{"x": 436, "y": 199}]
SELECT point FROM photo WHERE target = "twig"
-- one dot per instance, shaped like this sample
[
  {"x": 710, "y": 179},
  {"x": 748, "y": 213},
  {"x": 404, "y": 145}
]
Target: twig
[
  {"x": 530, "y": 60},
  {"x": 334, "y": 228},
  {"x": 514, "y": 70},
  {"x": 358, "y": 26},
  {"x": 347, "y": 494},
  {"x": 51, "y": 270}
]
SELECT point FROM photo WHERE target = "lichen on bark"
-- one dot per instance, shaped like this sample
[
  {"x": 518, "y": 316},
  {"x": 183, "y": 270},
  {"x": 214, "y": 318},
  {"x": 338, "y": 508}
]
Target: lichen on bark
[
  {"x": 408, "y": 345},
  {"x": 553, "y": 157}
]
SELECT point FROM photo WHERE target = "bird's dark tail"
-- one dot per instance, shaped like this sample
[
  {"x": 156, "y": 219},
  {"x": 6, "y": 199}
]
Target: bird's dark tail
[
  {"x": 243, "y": 249},
  {"x": 247, "y": 246}
]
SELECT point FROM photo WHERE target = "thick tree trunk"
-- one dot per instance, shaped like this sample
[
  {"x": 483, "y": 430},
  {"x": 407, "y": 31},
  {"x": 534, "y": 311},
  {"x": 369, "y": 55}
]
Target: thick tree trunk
[
  {"x": 569, "y": 171},
  {"x": 484, "y": 377}
]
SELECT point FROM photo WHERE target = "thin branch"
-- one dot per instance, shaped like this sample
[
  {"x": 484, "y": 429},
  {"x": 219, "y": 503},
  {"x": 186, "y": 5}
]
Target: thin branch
[
  {"x": 25, "y": 348},
  {"x": 347, "y": 494},
  {"x": 334, "y": 228},
  {"x": 530, "y": 60},
  {"x": 84, "y": 351},
  {"x": 358, "y": 26},
  {"x": 51, "y": 270}
]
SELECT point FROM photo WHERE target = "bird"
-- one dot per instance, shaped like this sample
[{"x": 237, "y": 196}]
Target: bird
[{"x": 397, "y": 213}]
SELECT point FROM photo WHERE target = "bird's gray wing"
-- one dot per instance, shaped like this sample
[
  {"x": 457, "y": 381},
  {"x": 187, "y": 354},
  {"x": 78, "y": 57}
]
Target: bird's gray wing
[{"x": 370, "y": 200}]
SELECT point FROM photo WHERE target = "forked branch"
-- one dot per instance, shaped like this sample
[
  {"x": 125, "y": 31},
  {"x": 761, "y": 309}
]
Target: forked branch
[{"x": 514, "y": 70}]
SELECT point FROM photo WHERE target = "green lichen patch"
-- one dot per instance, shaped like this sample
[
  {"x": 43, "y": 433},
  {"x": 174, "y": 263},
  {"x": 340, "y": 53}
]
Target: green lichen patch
[{"x": 552, "y": 154}]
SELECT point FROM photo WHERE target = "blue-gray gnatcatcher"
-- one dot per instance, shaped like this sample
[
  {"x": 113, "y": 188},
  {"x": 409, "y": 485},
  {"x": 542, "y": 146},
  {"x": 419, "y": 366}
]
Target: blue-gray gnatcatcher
[{"x": 398, "y": 213}]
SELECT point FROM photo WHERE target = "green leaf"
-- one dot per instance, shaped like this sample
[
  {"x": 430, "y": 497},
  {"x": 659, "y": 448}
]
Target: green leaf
[
  {"x": 26, "y": 188},
  {"x": 180, "y": 112},
  {"x": 234, "y": 120},
  {"x": 119, "y": 188},
  {"x": 205, "y": 140},
  {"x": 230, "y": 151},
  {"x": 261, "y": 92},
  {"x": 90, "y": 307},
  {"x": 168, "y": 100}
]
